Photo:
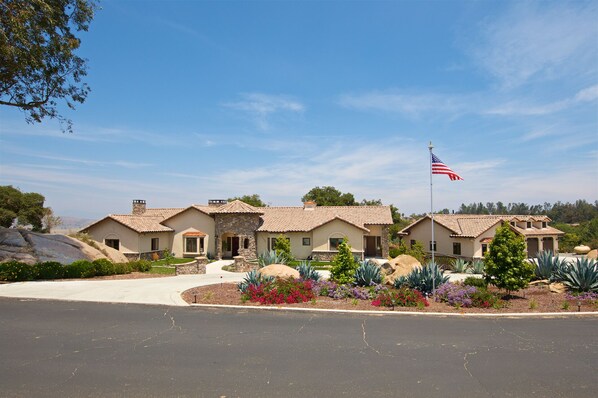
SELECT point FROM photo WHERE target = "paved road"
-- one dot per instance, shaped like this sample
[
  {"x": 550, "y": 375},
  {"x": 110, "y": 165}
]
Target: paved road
[{"x": 82, "y": 349}]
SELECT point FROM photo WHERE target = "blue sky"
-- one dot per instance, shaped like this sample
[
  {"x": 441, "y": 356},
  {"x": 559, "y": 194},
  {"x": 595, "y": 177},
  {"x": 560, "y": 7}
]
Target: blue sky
[{"x": 199, "y": 100}]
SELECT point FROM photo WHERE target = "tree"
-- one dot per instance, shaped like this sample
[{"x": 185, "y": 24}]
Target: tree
[
  {"x": 343, "y": 264},
  {"x": 253, "y": 200},
  {"x": 24, "y": 208},
  {"x": 38, "y": 65},
  {"x": 505, "y": 263},
  {"x": 282, "y": 247},
  {"x": 49, "y": 220},
  {"x": 329, "y": 196},
  {"x": 372, "y": 202}
]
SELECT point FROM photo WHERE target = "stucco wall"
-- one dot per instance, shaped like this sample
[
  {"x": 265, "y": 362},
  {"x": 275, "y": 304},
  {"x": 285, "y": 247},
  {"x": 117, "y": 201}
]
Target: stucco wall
[
  {"x": 110, "y": 229},
  {"x": 145, "y": 241},
  {"x": 188, "y": 220},
  {"x": 337, "y": 229},
  {"x": 422, "y": 232},
  {"x": 298, "y": 251}
]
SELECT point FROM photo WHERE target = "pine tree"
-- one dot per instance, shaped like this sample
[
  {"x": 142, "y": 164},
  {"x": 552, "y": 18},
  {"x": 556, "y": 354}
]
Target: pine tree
[{"x": 506, "y": 267}]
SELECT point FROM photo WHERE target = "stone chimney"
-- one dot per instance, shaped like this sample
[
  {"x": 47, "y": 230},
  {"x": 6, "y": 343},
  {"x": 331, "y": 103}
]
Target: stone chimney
[
  {"x": 309, "y": 205},
  {"x": 138, "y": 207}
]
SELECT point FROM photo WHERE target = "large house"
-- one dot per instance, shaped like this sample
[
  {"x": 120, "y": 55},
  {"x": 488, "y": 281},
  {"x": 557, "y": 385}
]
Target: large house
[
  {"x": 225, "y": 229},
  {"x": 468, "y": 235}
]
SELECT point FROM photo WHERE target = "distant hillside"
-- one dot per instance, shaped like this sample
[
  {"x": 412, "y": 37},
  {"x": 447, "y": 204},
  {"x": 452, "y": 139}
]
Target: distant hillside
[{"x": 71, "y": 224}]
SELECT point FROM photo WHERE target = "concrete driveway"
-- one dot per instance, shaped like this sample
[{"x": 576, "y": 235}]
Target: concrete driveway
[{"x": 166, "y": 290}]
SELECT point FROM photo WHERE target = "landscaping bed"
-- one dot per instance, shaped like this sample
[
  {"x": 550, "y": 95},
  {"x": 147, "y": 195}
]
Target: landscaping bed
[{"x": 534, "y": 299}]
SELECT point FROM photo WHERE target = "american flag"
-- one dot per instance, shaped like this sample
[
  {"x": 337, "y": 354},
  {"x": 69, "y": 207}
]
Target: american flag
[{"x": 440, "y": 168}]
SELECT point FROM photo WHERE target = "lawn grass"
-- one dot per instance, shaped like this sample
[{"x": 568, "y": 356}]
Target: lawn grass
[
  {"x": 321, "y": 265},
  {"x": 173, "y": 261},
  {"x": 162, "y": 270}
]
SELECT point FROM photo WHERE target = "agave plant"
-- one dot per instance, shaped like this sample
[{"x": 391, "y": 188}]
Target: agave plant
[
  {"x": 477, "y": 267},
  {"x": 546, "y": 264},
  {"x": 306, "y": 271},
  {"x": 253, "y": 278},
  {"x": 271, "y": 257},
  {"x": 424, "y": 279},
  {"x": 367, "y": 273},
  {"x": 460, "y": 265},
  {"x": 581, "y": 276}
]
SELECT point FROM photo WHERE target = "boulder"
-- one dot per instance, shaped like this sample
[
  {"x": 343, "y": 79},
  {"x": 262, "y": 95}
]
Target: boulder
[
  {"x": 557, "y": 287},
  {"x": 593, "y": 254},
  {"x": 401, "y": 265},
  {"x": 581, "y": 249},
  {"x": 32, "y": 247},
  {"x": 279, "y": 271}
]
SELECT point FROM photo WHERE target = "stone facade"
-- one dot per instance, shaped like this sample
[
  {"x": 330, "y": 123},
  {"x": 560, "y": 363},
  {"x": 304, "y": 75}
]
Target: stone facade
[
  {"x": 241, "y": 265},
  {"x": 242, "y": 226},
  {"x": 196, "y": 267},
  {"x": 385, "y": 242}
]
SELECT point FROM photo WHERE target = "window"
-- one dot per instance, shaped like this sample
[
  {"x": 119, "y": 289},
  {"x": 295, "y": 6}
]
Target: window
[
  {"x": 529, "y": 224},
  {"x": 306, "y": 241},
  {"x": 513, "y": 223},
  {"x": 191, "y": 245},
  {"x": 334, "y": 242},
  {"x": 484, "y": 248},
  {"x": 457, "y": 248},
  {"x": 246, "y": 243},
  {"x": 433, "y": 248},
  {"x": 271, "y": 243},
  {"x": 113, "y": 243},
  {"x": 544, "y": 224},
  {"x": 155, "y": 244}
]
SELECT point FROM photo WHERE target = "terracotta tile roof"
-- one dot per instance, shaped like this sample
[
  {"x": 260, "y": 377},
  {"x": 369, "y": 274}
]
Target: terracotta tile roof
[
  {"x": 235, "y": 207},
  {"x": 195, "y": 232},
  {"x": 473, "y": 225},
  {"x": 141, "y": 223},
  {"x": 296, "y": 219}
]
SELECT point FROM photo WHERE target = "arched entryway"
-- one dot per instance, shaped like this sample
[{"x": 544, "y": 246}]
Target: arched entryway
[{"x": 230, "y": 245}]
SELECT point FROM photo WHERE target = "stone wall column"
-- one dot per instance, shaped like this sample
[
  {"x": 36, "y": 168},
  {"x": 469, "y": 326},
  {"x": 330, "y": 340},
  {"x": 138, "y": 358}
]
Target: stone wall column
[{"x": 385, "y": 241}]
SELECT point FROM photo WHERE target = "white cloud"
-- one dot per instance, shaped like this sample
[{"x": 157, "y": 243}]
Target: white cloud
[
  {"x": 260, "y": 107},
  {"x": 407, "y": 104},
  {"x": 543, "y": 40}
]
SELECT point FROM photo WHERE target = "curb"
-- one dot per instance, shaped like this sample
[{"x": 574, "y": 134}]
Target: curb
[{"x": 409, "y": 313}]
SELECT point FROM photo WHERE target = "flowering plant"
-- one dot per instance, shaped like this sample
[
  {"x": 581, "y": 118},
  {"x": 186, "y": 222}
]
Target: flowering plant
[
  {"x": 280, "y": 291},
  {"x": 403, "y": 297}
]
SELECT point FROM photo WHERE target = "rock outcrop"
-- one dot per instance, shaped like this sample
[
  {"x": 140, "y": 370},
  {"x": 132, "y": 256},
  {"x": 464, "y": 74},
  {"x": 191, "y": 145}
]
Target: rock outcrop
[{"x": 32, "y": 247}]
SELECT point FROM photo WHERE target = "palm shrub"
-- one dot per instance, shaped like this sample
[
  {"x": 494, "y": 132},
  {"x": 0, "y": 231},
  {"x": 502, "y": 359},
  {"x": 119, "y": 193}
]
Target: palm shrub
[
  {"x": 506, "y": 265},
  {"x": 460, "y": 265},
  {"x": 50, "y": 270},
  {"x": 581, "y": 276},
  {"x": 306, "y": 271},
  {"x": 547, "y": 264},
  {"x": 424, "y": 279},
  {"x": 253, "y": 278},
  {"x": 343, "y": 264},
  {"x": 270, "y": 257},
  {"x": 367, "y": 273}
]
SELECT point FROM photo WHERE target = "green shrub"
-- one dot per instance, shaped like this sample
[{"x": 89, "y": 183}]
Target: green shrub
[
  {"x": 103, "y": 266},
  {"x": 282, "y": 247},
  {"x": 80, "y": 269},
  {"x": 123, "y": 268},
  {"x": 394, "y": 252},
  {"x": 15, "y": 271},
  {"x": 480, "y": 283},
  {"x": 343, "y": 264},
  {"x": 367, "y": 273},
  {"x": 506, "y": 267},
  {"x": 140, "y": 265},
  {"x": 403, "y": 297},
  {"x": 424, "y": 279},
  {"x": 50, "y": 270}
]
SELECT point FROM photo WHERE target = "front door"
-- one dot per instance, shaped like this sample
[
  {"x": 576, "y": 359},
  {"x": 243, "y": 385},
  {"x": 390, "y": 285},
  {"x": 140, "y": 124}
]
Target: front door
[
  {"x": 235, "y": 246},
  {"x": 372, "y": 246}
]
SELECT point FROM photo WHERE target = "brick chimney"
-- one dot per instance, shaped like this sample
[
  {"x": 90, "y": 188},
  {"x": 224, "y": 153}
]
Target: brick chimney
[
  {"x": 138, "y": 207},
  {"x": 309, "y": 205}
]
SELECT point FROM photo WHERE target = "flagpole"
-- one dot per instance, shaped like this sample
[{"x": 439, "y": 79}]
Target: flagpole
[{"x": 430, "y": 147}]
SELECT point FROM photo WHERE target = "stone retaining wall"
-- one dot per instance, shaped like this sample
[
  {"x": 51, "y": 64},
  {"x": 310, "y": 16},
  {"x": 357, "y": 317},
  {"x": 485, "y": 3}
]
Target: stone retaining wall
[{"x": 196, "y": 267}]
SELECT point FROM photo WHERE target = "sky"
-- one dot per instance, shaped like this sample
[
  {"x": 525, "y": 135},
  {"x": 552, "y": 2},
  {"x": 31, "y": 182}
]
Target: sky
[{"x": 199, "y": 100}]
